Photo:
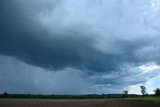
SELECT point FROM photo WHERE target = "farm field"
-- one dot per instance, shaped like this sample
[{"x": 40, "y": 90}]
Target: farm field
[
  {"x": 76, "y": 103},
  {"x": 150, "y": 99}
]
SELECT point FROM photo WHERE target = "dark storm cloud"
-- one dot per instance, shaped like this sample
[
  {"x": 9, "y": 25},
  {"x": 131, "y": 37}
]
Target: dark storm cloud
[
  {"x": 97, "y": 38},
  {"x": 26, "y": 40}
]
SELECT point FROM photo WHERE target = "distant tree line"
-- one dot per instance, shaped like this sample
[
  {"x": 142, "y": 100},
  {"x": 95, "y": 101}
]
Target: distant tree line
[
  {"x": 143, "y": 91},
  {"x": 39, "y": 96},
  {"x": 88, "y": 96}
]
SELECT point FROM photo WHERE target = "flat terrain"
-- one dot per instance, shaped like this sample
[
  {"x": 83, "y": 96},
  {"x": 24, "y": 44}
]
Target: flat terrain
[
  {"x": 150, "y": 98},
  {"x": 76, "y": 103}
]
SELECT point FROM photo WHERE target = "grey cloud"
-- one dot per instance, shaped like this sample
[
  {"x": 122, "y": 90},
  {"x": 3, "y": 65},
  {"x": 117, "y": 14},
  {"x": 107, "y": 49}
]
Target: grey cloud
[
  {"x": 25, "y": 40},
  {"x": 18, "y": 77},
  {"x": 96, "y": 38}
]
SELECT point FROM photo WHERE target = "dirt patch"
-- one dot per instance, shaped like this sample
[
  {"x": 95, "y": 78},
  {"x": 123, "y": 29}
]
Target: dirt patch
[{"x": 75, "y": 103}]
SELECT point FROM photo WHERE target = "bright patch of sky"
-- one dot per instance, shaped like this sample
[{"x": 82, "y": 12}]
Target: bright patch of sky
[
  {"x": 155, "y": 5},
  {"x": 149, "y": 67}
]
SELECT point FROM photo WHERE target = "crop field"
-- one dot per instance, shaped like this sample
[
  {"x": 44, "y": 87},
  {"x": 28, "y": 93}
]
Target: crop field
[{"x": 76, "y": 103}]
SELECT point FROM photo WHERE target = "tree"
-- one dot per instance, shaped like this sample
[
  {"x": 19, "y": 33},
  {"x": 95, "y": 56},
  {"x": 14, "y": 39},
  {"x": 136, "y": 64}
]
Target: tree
[
  {"x": 5, "y": 94},
  {"x": 157, "y": 91},
  {"x": 125, "y": 93},
  {"x": 143, "y": 90}
]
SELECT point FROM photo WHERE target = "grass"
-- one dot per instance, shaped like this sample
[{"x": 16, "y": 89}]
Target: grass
[
  {"x": 149, "y": 98},
  {"x": 154, "y": 99}
]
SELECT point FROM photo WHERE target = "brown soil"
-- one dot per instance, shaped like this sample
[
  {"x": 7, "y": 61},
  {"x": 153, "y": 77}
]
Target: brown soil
[{"x": 75, "y": 103}]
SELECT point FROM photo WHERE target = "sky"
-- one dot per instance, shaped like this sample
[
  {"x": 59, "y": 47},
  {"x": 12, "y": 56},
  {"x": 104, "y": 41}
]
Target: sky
[{"x": 79, "y": 46}]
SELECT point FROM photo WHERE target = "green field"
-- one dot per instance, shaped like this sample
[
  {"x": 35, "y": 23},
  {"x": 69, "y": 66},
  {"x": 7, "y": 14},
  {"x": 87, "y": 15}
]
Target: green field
[{"x": 150, "y": 99}]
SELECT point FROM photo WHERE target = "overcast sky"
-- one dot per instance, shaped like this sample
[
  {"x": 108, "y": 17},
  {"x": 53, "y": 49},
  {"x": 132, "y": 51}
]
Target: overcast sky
[{"x": 79, "y": 46}]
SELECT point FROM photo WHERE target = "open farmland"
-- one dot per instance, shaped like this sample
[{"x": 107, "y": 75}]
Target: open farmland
[
  {"x": 76, "y": 103},
  {"x": 149, "y": 98}
]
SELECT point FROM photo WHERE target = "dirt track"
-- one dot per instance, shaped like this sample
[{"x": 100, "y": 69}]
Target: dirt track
[{"x": 75, "y": 103}]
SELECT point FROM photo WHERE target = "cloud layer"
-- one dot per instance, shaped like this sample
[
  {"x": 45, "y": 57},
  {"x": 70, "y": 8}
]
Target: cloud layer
[{"x": 108, "y": 41}]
